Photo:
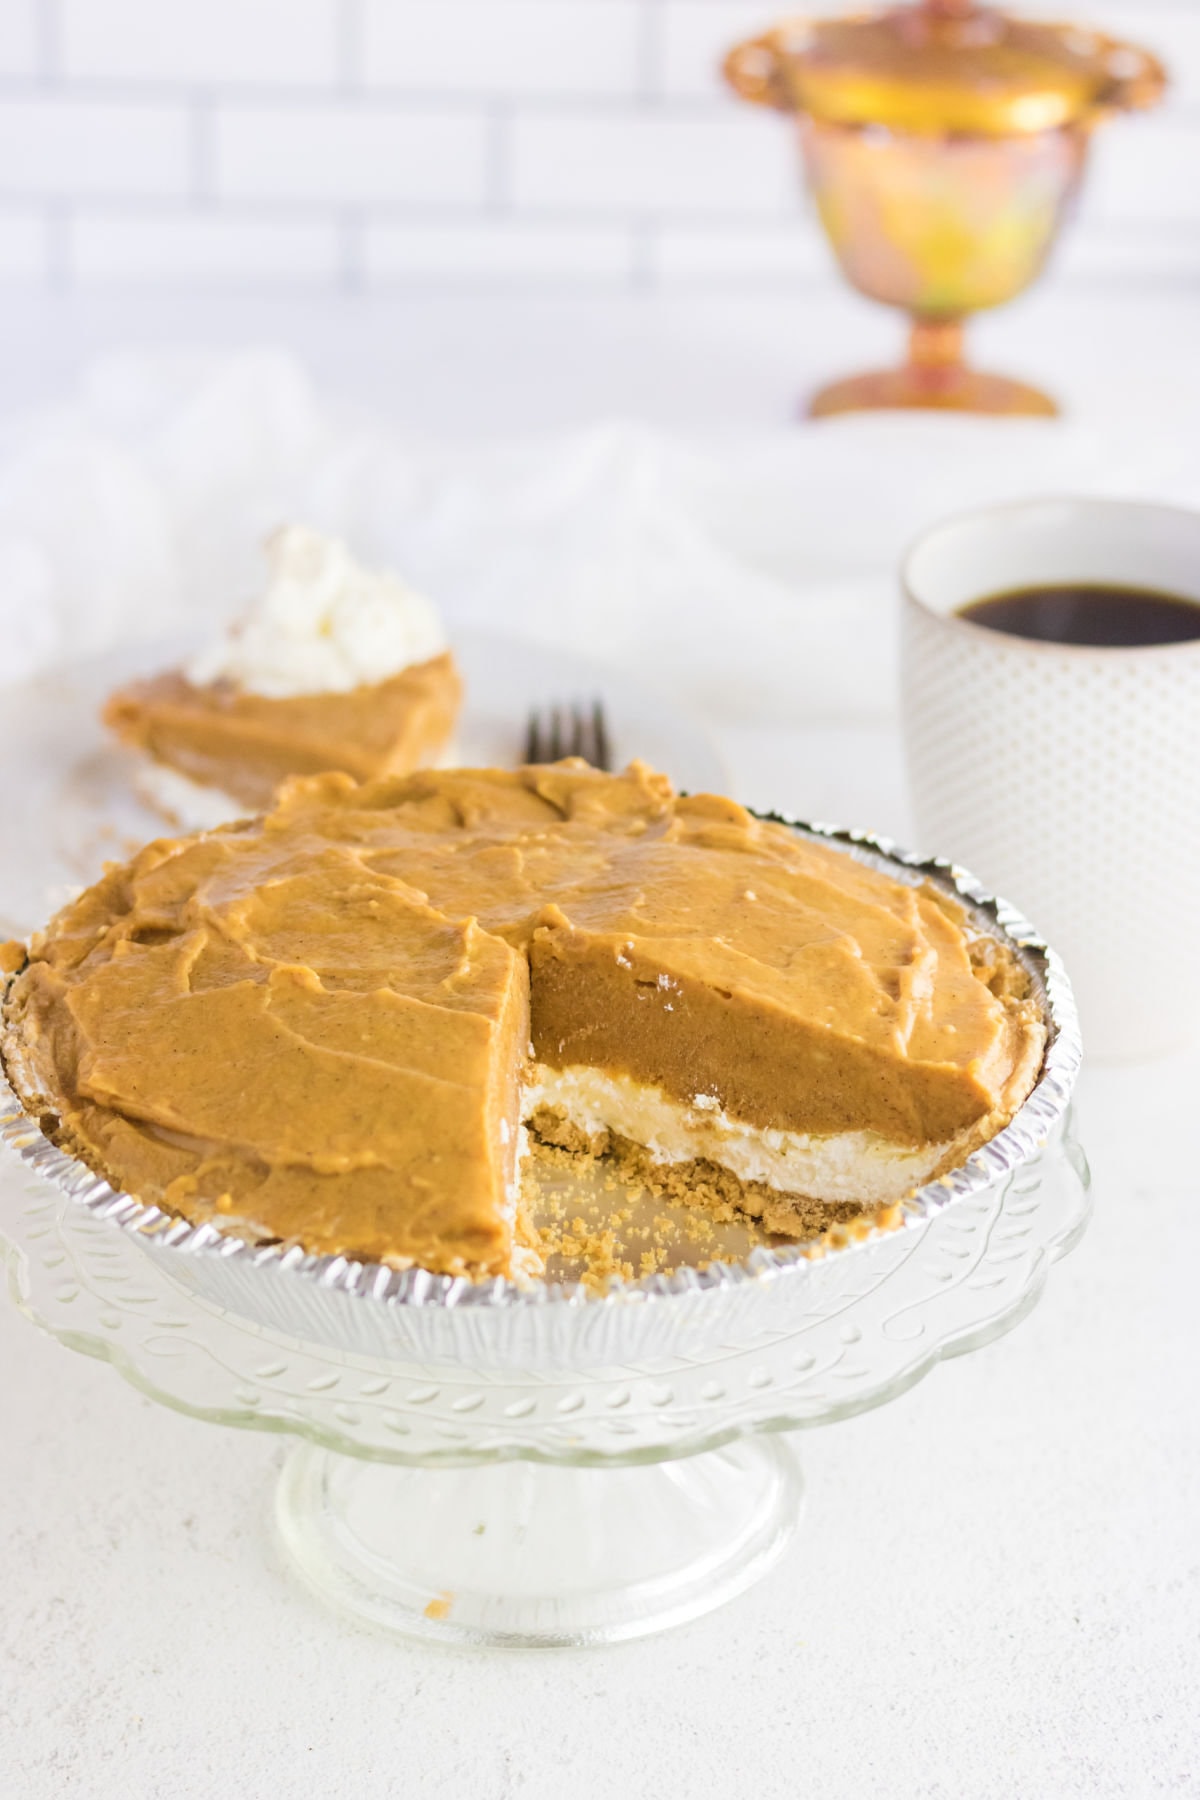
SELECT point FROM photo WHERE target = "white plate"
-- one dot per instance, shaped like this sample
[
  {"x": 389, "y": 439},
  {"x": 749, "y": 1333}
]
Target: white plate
[{"x": 69, "y": 806}]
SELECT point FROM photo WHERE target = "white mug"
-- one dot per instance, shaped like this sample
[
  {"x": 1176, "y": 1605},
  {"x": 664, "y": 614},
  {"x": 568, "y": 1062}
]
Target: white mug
[{"x": 1066, "y": 777}]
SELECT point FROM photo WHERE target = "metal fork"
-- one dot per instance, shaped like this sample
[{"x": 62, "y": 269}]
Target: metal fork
[{"x": 569, "y": 729}]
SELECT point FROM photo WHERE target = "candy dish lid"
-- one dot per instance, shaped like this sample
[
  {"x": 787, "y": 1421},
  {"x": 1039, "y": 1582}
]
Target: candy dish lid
[
  {"x": 944, "y": 66},
  {"x": 320, "y": 1296}
]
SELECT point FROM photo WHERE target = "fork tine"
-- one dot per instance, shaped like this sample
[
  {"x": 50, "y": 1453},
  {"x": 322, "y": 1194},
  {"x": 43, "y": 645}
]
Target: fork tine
[
  {"x": 572, "y": 729},
  {"x": 602, "y": 758}
]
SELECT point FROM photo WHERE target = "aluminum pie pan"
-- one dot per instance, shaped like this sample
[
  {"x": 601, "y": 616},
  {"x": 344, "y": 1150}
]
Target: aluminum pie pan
[{"x": 306, "y": 1295}]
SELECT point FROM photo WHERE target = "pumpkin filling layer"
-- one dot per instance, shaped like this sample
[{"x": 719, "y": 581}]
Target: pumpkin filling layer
[{"x": 328, "y": 1025}]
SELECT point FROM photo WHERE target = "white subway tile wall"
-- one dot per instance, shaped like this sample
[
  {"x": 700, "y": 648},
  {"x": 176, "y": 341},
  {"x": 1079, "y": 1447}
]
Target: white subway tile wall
[
  {"x": 644, "y": 165},
  {"x": 353, "y": 153},
  {"x": 342, "y": 143},
  {"x": 200, "y": 247},
  {"x": 24, "y": 246},
  {"x": 277, "y": 43},
  {"x": 18, "y": 38},
  {"x": 560, "y": 49},
  {"x": 457, "y": 254}
]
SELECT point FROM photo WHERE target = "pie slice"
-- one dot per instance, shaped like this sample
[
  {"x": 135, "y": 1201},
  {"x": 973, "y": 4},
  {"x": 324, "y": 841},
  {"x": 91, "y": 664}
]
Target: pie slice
[
  {"x": 220, "y": 736},
  {"x": 333, "y": 667},
  {"x": 283, "y": 1044}
]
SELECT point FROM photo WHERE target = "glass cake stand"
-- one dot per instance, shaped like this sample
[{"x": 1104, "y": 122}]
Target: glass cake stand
[
  {"x": 536, "y": 1506},
  {"x": 493, "y": 1464}
]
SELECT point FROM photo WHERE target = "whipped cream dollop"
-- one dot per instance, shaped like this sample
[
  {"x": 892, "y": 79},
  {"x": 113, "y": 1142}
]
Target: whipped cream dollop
[{"x": 323, "y": 624}]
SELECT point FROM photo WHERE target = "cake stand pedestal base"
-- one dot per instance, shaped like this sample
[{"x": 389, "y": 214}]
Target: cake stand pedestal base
[{"x": 523, "y": 1553}]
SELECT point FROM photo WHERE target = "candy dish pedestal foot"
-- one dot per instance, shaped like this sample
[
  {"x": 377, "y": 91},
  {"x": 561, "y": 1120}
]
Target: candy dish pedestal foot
[
  {"x": 530, "y": 1554},
  {"x": 936, "y": 378}
]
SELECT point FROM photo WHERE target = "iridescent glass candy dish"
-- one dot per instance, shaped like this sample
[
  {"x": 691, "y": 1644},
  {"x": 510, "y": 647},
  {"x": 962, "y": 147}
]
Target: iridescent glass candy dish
[{"x": 943, "y": 145}]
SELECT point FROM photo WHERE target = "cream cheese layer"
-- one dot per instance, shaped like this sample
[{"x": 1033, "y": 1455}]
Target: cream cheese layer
[{"x": 856, "y": 1166}]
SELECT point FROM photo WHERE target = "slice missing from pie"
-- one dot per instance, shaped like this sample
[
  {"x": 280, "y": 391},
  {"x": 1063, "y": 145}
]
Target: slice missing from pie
[{"x": 338, "y": 1025}]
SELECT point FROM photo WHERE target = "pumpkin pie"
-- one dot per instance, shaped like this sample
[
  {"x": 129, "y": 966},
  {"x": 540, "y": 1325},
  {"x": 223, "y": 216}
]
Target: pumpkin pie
[{"x": 338, "y": 1025}]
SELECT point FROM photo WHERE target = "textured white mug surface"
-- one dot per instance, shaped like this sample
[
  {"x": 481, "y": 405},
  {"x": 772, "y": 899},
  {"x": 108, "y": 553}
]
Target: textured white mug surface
[{"x": 1066, "y": 777}]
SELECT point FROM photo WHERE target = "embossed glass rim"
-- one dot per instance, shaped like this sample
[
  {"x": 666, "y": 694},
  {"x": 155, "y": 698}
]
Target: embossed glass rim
[{"x": 1018, "y": 1143}]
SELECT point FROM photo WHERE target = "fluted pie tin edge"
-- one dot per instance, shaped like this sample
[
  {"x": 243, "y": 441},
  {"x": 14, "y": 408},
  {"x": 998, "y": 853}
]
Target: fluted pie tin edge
[{"x": 374, "y": 1309}]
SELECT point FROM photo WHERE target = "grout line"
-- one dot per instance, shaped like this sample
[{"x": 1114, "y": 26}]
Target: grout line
[
  {"x": 1139, "y": 235},
  {"x": 351, "y": 48},
  {"x": 643, "y": 274},
  {"x": 498, "y": 174},
  {"x": 566, "y": 104},
  {"x": 48, "y": 26},
  {"x": 203, "y": 149},
  {"x": 483, "y": 285},
  {"x": 58, "y": 247},
  {"x": 352, "y": 252},
  {"x": 650, "y": 84}
]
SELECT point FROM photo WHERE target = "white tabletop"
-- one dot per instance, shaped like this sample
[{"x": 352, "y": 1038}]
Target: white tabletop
[{"x": 994, "y": 1588}]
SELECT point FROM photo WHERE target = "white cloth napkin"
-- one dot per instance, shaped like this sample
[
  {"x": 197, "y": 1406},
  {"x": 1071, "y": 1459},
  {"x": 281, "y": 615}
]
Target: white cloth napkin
[{"x": 754, "y": 576}]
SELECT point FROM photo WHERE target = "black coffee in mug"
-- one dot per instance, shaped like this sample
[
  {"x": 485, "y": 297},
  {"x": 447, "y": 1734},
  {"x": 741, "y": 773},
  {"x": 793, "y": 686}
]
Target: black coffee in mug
[{"x": 1088, "y": 612}]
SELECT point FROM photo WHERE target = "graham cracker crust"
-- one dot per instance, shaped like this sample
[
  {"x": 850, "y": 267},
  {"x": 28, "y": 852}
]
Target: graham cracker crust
[{"x": 649, "y": 1217}]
